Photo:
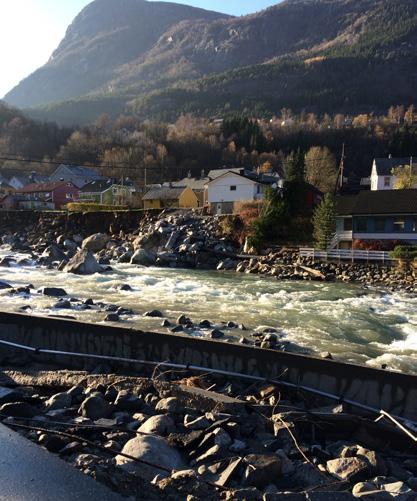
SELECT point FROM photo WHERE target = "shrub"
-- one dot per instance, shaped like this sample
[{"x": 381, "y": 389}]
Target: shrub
[
  {"x": 404, "y": 252},
  {"x": 92, "y": 207}
]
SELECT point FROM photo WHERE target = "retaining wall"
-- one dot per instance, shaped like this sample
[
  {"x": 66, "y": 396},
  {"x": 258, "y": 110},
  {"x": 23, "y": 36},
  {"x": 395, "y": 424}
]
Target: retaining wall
[
  {"x": 393, "y": 392},
  {"x": 84, "y": 222}
]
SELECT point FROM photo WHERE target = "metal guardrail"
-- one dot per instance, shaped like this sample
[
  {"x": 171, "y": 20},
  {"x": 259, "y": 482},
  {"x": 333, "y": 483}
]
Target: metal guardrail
[{"x": 346, "y": 254}]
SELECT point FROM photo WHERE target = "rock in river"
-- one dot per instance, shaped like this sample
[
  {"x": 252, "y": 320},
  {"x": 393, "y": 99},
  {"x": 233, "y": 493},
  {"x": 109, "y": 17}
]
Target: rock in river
[
  {"x": 53, "y": 291},
  {"x": 96, "y": 242},
  {"x": 143, "y": 257},
  {"x": 83, "y": 263}
]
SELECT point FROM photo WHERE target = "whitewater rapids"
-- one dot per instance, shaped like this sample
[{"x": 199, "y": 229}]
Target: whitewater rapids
[{"x": 370, "y": 326}]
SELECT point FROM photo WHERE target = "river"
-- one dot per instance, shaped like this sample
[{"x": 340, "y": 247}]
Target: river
[{"x": 366, "y": 326}]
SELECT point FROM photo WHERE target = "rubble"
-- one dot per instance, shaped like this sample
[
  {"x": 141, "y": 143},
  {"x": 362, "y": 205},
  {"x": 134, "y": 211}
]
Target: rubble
[{"x": 180, "y": 441}]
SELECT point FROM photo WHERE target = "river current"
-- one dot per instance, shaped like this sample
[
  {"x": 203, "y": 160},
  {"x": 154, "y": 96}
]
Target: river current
[{"x": 368, "y": 326}]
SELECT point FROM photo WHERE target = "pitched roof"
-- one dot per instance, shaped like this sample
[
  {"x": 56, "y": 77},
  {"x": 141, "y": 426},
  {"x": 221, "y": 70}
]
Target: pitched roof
[
  {"x": 78, "y": 170},
  {"x": 195, "y": 183},
  {"x": 163, "y": 193},
  {"x": 377, "y": 202},
  {"x": 252, "y": 179},
  {"x": 6, "y": 185},
  {"x": 384, "y": 166},
  {"x": 43, "y": 187},
  {"x": 22, "y": 179},
  {"x": 213, "y": 174},
  {"x": 97, "y": 186}
]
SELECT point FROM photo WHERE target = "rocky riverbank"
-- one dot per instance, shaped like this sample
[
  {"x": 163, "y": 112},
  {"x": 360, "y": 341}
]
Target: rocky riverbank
[
  {"x": 202, "y": 437},
  {"x": 183, "y": 239}
]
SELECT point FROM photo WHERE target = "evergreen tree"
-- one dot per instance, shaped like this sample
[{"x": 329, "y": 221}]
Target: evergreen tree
[
  {"x": 294, "y": 183},
  {"x": 324, "y": 222},
  {"x": 245, "y": 132},
  {"x": 270, "y": 225},
  {"x": 295, "y": 167}
]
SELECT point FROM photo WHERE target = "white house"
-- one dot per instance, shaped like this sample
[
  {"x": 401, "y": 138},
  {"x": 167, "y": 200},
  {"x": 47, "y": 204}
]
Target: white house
[
  {"x": 381, "y": 175},
  {"x": 231, "y": 187}
]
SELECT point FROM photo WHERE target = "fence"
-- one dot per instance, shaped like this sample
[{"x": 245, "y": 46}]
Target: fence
[{"x": 346, "y": 255}]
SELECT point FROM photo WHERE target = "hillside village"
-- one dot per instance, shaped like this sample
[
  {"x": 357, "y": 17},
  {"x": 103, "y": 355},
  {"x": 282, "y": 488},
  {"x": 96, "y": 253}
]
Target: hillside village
[{"x": 378, "y": 214}]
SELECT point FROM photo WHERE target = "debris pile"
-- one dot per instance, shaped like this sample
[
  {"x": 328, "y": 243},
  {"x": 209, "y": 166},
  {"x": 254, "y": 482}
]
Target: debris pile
[{"x": 187, "y": 437}]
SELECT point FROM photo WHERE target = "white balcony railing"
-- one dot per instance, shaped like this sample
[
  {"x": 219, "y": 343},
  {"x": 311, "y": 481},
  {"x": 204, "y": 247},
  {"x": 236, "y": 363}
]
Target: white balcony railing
[{"x": 345, "y": 254}]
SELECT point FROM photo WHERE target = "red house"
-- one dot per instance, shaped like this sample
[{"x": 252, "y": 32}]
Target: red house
[
  {"x": 313, "y": 196},
  {"x": 48, "y": 195}
]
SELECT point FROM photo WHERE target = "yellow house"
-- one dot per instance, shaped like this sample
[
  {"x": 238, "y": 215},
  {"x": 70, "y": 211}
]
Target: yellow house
[
  {"x": 164, "y": 197},
  {"x": 189, "y": 199}
]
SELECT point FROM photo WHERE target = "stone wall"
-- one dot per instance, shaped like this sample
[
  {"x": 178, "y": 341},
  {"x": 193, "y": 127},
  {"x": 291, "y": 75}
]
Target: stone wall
[
  {"x": 86, "y": 222},
  {"x": 390, "y": 391}
]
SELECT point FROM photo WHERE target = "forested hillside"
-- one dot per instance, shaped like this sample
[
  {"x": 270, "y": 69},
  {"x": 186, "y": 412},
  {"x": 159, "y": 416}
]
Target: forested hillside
[{"x": 161, "y": 152}]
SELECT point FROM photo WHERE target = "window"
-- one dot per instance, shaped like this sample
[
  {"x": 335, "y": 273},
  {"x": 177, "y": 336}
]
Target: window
[
  {"x": 380, "y": 224},
  {"x": 399, "y": 225},
  {"x": 387, "y": 182},
  {"x": 347, "y": 224},
  {"x": 68, "y": 196},
  {"x": 361, "y": 224},
  {"x": 233, "y": 188}
]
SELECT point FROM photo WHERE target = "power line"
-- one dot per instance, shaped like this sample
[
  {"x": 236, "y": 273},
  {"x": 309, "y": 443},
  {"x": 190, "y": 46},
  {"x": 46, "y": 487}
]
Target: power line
[
  {"x": 105, "y": 165},
  {"x": 80, "y": 164}
]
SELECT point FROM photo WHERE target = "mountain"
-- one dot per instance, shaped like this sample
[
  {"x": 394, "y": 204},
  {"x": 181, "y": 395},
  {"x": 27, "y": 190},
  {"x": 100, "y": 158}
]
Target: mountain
[
  {"x": 105, "y": 36},
  {"x": 161, "y": 59}
]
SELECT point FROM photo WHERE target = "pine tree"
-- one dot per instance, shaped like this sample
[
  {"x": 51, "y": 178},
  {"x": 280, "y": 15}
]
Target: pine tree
[
  {"x": 295, "y": 167},
  {"x": 272, "y": 220},
  {"x": 295, "y": 185},
  {"x": 324, "y": 222}
]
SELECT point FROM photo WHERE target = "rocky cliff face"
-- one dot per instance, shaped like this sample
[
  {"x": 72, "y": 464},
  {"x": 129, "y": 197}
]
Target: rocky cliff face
[
  {"x": 150, "y": 57},
  {"x": 105, "y": 35}
]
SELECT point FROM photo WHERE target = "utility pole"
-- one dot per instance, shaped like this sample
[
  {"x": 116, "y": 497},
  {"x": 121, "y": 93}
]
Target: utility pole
[{"x": 341, "y": 173}]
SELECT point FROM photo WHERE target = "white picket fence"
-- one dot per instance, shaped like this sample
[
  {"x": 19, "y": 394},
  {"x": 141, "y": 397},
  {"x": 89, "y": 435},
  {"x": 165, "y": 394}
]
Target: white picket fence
[{"x": 345, "y": 255}]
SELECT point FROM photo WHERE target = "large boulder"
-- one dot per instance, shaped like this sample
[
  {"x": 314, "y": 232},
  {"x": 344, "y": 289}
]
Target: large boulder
[
  {"x": 143, "y": 257},
  {"x": 95, "y": 407},
  {"x": 96, "y": 242},
  {"x": 52, "y": 254},
  {"x": 83, "y": 263},
  {"x": 19, "y": 409},
  {"x": 159, "y": 425},
  {"x": 59, "y": 401},
  {"x": 151, "y": 240},
  {"x": 261, "y": 469},
  {"x": 53, "y": 291},
  {"x": 152, "y": 449}
]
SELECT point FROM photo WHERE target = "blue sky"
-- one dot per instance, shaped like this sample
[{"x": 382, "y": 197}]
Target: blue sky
[{"x": 31, "y": 29}]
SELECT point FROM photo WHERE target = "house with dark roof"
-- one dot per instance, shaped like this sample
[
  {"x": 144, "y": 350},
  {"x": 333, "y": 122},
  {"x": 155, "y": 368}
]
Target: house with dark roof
[
  {"x": 5, "y": 188},
  {"x": 78, "y": 175},
  {"x": 382, "y": 177},
  {"x": 105, "y": 192},
  {"x": 54, "y": 195},
  {"x": 388, "y": 217},
  {"x": 170, "y": 196}
]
